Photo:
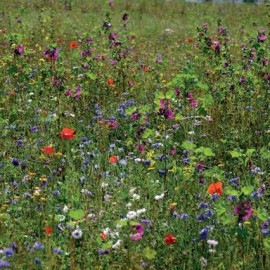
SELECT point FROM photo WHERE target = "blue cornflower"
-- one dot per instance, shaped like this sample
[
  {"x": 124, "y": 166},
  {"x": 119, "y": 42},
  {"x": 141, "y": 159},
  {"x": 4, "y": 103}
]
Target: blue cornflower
[
  {"x": 4, "y": 264},
  {"x": 9, "y": 252},
  {"x": 38, "y": 246},
  {"x": 57, "y": 251},
  {"x": 204, "y": 233},
  {"x": 184, "y": 216},
  {"x": 202, "y": 205}
]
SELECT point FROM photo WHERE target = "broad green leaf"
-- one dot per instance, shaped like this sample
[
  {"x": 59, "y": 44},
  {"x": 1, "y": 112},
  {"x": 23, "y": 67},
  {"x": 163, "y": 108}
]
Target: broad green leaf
[
  {"x": 107, "y": 245},
  {"x": 220, "y": 209},
  {"x": 226, "y": 219},
  {"x": 133, "y": 223},
  {"x": 262, "y": 214},
  {"x": 130, "y": 110},
  {"x": 236, "y": 154},
  {"x": 266, "y": 243},
  {"x": 149, "y": 253},
  {"x": 170, "y": 94},
  {"x": 250, "y": 152},
  {"x": 232, "y": 192},
  {"x": 91, "y": 75},
  {"x": 247, "y": 189},
  {"x": 76, "y": 214},
  {"x": 122, "y": 222},
  {"x": 147, "y": 133},
  {"x": 188, "y": 145},
  {"x": 159, "y": 95},
  {"x": 179, "y": 117}
]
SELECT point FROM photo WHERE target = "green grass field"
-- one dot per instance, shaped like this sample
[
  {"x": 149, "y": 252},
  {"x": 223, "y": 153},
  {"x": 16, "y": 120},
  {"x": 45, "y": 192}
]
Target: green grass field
[{"x": 134, "y": 135}]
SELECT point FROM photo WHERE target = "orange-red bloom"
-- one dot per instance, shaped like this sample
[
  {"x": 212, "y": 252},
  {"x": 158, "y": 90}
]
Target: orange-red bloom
[
  {"x": 48, "y": 230},
  {"x": 169, "y": 239},
  {"x": 68, "y": 134},
  {"x": 73, "y": 45},
  {"x": 215, "y": 188},
  {"x": 103, "y": 236},
  {"x": 146, "y": 69},
  {"x": 189, "y": 40},
  {"x": 48, "y": 150},
  {"x": 113, "y": 159},
  {"x": 110, "y": 81}
]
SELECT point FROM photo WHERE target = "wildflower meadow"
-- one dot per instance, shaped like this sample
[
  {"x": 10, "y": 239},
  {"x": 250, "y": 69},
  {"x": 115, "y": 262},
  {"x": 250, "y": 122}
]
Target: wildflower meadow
[{"x": 134, "y": 135}]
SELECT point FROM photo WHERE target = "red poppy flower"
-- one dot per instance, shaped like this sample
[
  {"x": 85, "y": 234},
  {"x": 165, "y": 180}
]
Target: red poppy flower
[
  {"x": 68, "y": 134},
  {"x": 113, "y": 159},
  {"x": 189, "y": 40},
  {"x": 169, "y": 239},
  {"x": 48, "y": 230},
  {"x": 146, "y": 69},
  {"x": 110, "y": 81},
  {"x": 48, "y": 150},
  {"x": 103, "y": 236},
  {"x": 215, "y": 188},
  {"x": 73, "y": 45}
]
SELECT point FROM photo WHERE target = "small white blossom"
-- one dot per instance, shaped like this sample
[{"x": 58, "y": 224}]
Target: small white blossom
[
  {"x": 77, "y": 234},
  {"x": 141, "y": 211},
  {"x": 159, "y": 197},
  {"x": 212, "y": 243},
  {"x": 117, "y": 244},
  {"x": 131, "y": 215}
]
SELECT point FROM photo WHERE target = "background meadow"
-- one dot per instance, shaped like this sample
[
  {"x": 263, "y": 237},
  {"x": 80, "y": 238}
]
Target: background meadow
[{"x": 134, "y": 135}]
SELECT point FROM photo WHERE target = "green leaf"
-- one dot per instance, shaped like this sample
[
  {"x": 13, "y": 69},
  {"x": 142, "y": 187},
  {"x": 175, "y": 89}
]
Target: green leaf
[
  {"x": 147, "y": 133},
  {"x": 188, "y": 145},
  {"x": 179, "y": 117},
  {"x": 236, "y": 154},
  {"x": 170, "y": 94},
  {"x": 250, "y": 152},
  {"x": 149, "y": 253},
  {"x": 208, "y": 152},
  {"x": 130, "y": 110},
  {"x": 107, "y": 245},
  {"x": 226, "y": 219},
  {"x": 133, "y": 223},
  {"x": 91, "y": 75},
  {"x": 202, "y": 85},
  {"x": 262, "y": 214},
  {"x": 76, "y": 214},
  {"x": 122, "y": 222},
  {"x": 159, "y": 95},
  {"x": 266, "y": 243},
  {"x": 247, "y": 189},
  {"x": 71, "y": 224},
  {"x": 220, "y": 209},
  {"x": 232, "y": 192}
]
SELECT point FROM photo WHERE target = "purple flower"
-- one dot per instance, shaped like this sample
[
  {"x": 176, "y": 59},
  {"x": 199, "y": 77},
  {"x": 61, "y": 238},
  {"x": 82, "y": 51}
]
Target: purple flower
[
  {"x": 261, "y": 38},
  {"x": 19, "y": 50},
  {"x": 103, "y": 251},
  {"x": 51, "y": 54},
  {"x": 4, "y": 264},
  {"x": 9, "y": 252},
  {"x": 125, "y": 17},
  {"x": 159, "y": 59},
  {"x": 15, "y": 162},
  {"x": 243, "y": 210},
  {"x": 57, "y": 251},
  {"x": 204, "y": 233}
]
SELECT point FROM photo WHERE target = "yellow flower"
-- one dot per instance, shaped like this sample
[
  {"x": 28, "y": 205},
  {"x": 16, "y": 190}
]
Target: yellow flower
[{"x": 58, "y": 154}]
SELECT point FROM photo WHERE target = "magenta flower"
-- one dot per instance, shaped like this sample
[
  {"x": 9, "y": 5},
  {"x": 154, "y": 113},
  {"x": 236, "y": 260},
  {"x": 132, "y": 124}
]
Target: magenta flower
[
  {"x": 243, "y": 210},
  {"x": 139, "y": 232},
  {"x": 261, "y": 38},
  {"x": 68, "y": 93}
]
